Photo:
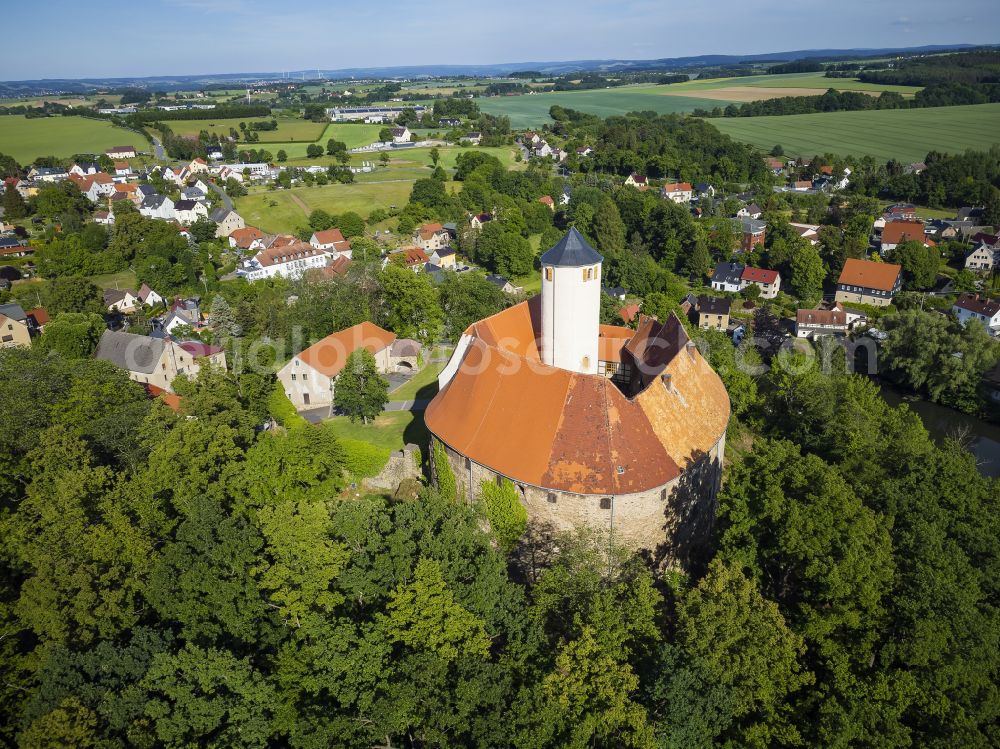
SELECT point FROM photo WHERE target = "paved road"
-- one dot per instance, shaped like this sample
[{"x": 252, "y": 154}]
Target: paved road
[
  {"x": 316, "y": 415},
  {"x": 158, "y": 151},
  {"x": 226, "y": 200}
]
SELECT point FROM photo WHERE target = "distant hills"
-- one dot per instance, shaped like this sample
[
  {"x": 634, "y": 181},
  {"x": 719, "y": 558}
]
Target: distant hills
[{"x": 174, "y": 83}]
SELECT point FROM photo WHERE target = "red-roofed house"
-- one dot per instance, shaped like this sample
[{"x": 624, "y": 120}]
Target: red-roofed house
[
  {"x": 309, "y": 377},
  {"x": 629, "y": 312},
  {"x": 290, "y": 261},
  {"x": 430, "y": 237},
  {"x": 547, "y": 200},
  {"x": 679, "y": 192},
  {"x": 896, "y": 232},
  {"x": 244, "y": 238},
  {"x": 331, "y": 240},
  {"x": 767, "y": 280}
]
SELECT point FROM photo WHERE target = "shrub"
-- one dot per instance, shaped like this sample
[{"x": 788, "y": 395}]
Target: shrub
[
  {"x": 446, "y": 483},
  {"x": 506, "y": 514},
  {"x": 282, "y": 410},
  {"x": 363, "y": 459}
]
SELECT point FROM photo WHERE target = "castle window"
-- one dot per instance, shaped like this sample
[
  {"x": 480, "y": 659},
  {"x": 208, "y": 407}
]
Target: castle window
[
  {"x": 551, "y": 498},
  {"x": 468, "y": 464},
  {"x": 663, "y": 495},
  {"x": 548, "y": 274},
  {"x": 605, "y": 503}
]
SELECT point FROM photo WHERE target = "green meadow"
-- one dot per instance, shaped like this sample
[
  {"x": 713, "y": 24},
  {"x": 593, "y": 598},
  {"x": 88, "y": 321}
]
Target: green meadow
[
  {"x": 902, "y": 134},
  {"x": 289, "y": 128},
  {"x": 26, "y": 139}
]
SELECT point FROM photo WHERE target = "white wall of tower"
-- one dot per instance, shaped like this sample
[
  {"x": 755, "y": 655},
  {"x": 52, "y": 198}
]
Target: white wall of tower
[{"x": 571, "y": 316}]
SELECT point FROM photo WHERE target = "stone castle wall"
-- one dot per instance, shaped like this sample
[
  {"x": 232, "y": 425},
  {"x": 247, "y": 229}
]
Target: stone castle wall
[{"x": 669, "y": 522}]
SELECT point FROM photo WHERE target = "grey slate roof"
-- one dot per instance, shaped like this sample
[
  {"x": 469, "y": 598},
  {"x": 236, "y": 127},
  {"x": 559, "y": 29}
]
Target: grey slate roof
[
  {"x": 184, "y": 205},
  {"x": 729, "y": 273},
  {"x": 13, "y": 311},
  {"x": 135, "y": 353},
  {"x": 711, "y": 305},
  {"x": 153, "y": 201},
  {"x": 572, "y": 251},
  {"x": 219, "y": 214}
]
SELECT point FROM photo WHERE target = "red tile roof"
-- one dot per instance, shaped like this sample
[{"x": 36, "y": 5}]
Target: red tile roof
[
  {"x": 199, "y": 349},
  {"x": 869, "y": 275},
  {"x": 902, "y": 231},
  {"x": 329, "y": 355},
  {"x": 329, "y": 236},
  {"x": 677, "y": 187},
  {"x": 245, "y": 237},
  {"x": 628, "y": 312},
  {"x": 759, "y": 275}
]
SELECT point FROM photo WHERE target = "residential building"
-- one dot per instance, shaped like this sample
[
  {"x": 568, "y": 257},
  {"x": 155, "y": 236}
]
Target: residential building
[
  {"x": 401, "y": 135},
  {"x": 704, "y": 190},
  {"x": 477, "y": 221},
  {"x": 752, "y": 210},
  {"x": 548, "y": 202},
  {"x": 711, "y": 312},
  {"x": 123, "y": 169},
  {"x": 826, "y": 320},
  {"x": 983, "y": 258},
  {"x": 444, "y": 257},
  {"x": 867, "y": 282},
  {"x": 157, "y": 206},
  {"x": 474, "y": 138},
  {"x": 679, "y": 192},
  {"x": 121, "y": 152},
  {"x": 289, "y": 261},
  {"x": 896, "y": 232},
  {"x": 728, "y": 277},
  {"x": 973, "y": 307},
  {"x": 120, "y": 300},
  {"x": 14, "y": 330},
  {"x": 375, "y": 114},
  {"x": 84, "y": 168},
  {"x": 502, "y": 283},
  {"x": 149, "y": 297},
  {"x": 430, "y": 237},
  {"x": 751, "y": 232},
  {"x": 809, "y": 232},
  {"x": 638, "y": 181},
  {"x": 38, "y": 318},
  {"x": 769, "y": 281},
  {"x": 156, "y": 361},
  {"x": 331, "y": 240},
  {"x": 189, "y": 211},
  {"x": 228, "y": 221},
  {"x": 309, "y": 377}
]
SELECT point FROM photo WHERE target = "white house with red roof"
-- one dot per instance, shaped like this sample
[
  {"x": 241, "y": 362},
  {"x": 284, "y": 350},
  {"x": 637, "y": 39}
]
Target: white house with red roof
[
  {"x": 430, "y": 237},
  {"x": 331, "y": 240},
  {"x": 679, "y": 192},
  {"x": 288, "y": 261}
]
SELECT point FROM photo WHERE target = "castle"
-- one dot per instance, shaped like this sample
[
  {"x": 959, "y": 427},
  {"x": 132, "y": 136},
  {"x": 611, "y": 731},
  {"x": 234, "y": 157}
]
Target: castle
[{"x": 594, "y": 424}]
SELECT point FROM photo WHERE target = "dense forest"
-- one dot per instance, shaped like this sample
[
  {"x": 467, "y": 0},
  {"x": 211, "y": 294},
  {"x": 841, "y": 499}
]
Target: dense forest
[{"x": 192, "y": 581}]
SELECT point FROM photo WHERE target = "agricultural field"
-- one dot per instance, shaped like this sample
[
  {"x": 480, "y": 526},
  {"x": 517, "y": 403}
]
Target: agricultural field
[
  {"x": 26, "y": 139},
  {"x": 289, "y": 128},
  {"x": 903, "y": 134},
  {"x": 533, "y": 110}
]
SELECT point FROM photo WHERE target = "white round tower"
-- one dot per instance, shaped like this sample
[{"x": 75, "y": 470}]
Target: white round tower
[{"x": 571, "y": 304}]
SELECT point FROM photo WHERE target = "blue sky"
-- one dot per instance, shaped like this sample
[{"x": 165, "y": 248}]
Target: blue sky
[{"x": 164, "y": 37}]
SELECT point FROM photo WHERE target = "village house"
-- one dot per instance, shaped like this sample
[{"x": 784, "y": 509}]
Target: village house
[
  {"x": 38, "y": 318},
  {"x": 149, "y": 297},
  {"x": 973, "y": 307},
  {"x": 502, "y": 283},
  {"x": 477, "y": 221},
  {"x": 809, "y": 232},
  {"x": 430, "y": 237},
  {"x": 443, "y": 258},
  {"x": 156, "y": 361},
  {"x": 189, "y": 211},
  {"x": 95, "y": 186},
  {"x": 14, "y": 329},
  {"x": 123, "y": 169},
  {"x": 121, "y": 152},
  {"x": 728, "y": 277},
  {"x": 47, "y": 174},
  {"x": 105, "y": 218},
  {"x": 290, "y": 261},
  {"x": 309, "y": 378},
  {"x": 120, "y": 300},
  {"x": 548, "y": 202},
  {"x": 709, "y": 312},
  {"x": 331, "y": 240},
  {"x": 982, "y": 259},
  {"x": 751, "y": 232},
  {"x": 193, "y": 193},
  {"x": 637, "y": 181},
  {"x": 584, "y": 151},
  {"x": 704, "y": 190},
  {"x": 801, "y": 185},
  {"x": 401, "y": 135},
  {"x": 867, "y": 282},
  {"x": 679, "y": 192},
  {"x": 244, "y": 238},
  {"x": 157, "y": 206},
  {"x": 753, "y": 211},
  {"x": 769, "y": 281},
  {"x": 827, "y": 319},
  {"x": 474, "y": 138},
  {"x": 198, "y": 166},
  {"x": 228, "y": 221},
  {"x": 896, "y": 232},
  {"x": 84, "y": 168}
]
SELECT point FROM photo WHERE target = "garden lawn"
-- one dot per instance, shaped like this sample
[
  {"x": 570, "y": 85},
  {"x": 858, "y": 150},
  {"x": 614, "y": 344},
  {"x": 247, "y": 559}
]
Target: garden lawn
[
  {"x": 903, "y": 134},
  {"x": 26, "y": 139},
  {"x": 422, "y": 386},
  {"x": 390, "y": 429}
]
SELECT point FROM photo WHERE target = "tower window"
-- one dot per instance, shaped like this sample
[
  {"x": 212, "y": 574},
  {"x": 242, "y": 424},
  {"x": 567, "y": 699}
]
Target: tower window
[
  {"x": 605, "y": 503},
  {"x": 551, "y": 498},
  {"x": 548, "y": 274},
  {"x": 588, "y": 274}
]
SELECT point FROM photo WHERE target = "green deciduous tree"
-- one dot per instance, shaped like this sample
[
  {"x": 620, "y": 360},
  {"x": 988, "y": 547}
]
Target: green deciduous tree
[
  {"x": 412, "y": 304},
  {"x": 504, "y": 510},
  {"x": 73, "y": 334},
  {"x": 808, "y": 274},
  {"x": 360, "y": 391}
]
